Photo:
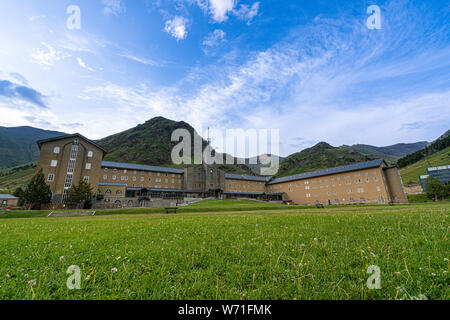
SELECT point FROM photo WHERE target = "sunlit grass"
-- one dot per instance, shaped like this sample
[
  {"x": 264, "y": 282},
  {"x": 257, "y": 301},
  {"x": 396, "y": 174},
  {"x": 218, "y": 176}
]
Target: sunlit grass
[{"x": 299, "y": 253}]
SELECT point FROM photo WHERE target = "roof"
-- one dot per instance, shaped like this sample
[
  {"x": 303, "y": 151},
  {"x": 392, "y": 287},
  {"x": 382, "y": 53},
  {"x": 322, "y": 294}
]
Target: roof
[
  {"x": 165, "y": 190},
  {"x": 112, "y": 184},
  {"x": 65, "y": 136},
  {"x": 326, "y": 172},
  {"x": 7, "y": 196},
  {"x": 141, "y": 167},
  {"x": 246, "y": 177}
]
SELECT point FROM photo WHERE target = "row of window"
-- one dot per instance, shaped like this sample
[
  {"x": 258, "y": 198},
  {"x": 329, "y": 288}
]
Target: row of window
[
  {"x": 57, "y": 150},
  {"x": 51, "y": 178},
  {"x": 71, "y": 166},
  {"x": 142, "y": 179},
  {"x": 150, "y": 173}
]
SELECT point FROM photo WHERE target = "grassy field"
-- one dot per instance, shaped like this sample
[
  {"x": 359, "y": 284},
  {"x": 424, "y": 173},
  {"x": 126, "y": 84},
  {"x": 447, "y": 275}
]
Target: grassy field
[
  {"x": 413, "y": 172},
  {"x": 229, "y": 250}
]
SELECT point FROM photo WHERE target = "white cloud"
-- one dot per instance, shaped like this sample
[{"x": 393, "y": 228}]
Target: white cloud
[
  {"x": 219, "y": 9},
  {"x": 246, "y": 12},
  {"x": 214, "y": 38},
  {"x": 177, "y": 27},
  {"x": 49, "y": 57},
  {"x": 83, "y": 64},
  {"x": 113, "y": 7},
  {"x": 145, "y": 61}
]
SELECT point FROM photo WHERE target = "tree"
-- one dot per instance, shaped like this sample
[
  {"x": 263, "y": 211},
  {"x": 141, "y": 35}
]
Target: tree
[
  {"x": 37, "y": 192},
  {"x": 80, "y": 195},
  {"x": 434, "y": 187},
  {"x": 19, "y": 193}
]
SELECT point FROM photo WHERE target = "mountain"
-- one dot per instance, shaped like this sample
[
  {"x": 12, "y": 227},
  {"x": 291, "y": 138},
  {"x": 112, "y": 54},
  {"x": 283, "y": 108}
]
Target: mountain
[
  {"x": 18, "y": 145},
  {"x": 321, "y": 156},
  {"x": 439, "y": 144},
  {"x": 15, "y": 177},
  {"x": 389, "y": 153},
  {"x": 254, "y": 163},
  {"x": 411, "y": 173},
  {"x": 150, "y": 143}
]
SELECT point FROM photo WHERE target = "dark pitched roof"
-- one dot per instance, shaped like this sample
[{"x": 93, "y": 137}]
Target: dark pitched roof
[
  {"x": 140, "y": 167},
  {"x": 40, "y": 142},
  {"x": 246, "y": 177},
  {"x": 325, "y": 172}
]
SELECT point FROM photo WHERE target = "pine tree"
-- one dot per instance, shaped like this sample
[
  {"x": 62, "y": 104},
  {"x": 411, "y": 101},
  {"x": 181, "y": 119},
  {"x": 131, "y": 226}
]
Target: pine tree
[
  {"x": 37, "y": 192},
  {"x": 80, "y": 195}
]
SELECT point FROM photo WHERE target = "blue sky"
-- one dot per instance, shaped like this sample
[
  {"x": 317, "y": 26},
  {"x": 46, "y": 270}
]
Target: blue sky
[{"x": 309, "y": 68}]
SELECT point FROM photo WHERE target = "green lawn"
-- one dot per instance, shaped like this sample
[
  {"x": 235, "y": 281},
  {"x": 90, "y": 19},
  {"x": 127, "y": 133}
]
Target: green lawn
[
  {"x": 229, "y": 250},
  {"x": 413, "y": 172}
]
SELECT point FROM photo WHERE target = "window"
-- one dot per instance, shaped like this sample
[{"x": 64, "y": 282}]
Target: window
[
  {"x": 106, "y": 169},
  {"x": 142, "y": 179},
  {"x": 74, "y": 152},
  {"x": 115, "y": 170},
  {"x": 352, "y": 200},
  {"x": 125, "y": 171},
  {"x": 53, "y": 163},
  {"x": 56, "y": 150},
  {"x": 378, "y": 188},
  {"x": 90, "y": 154},
  {"x": 360, "y": 190},
  {"x": 150, "y": 179},
  {"x": 114, "y": 177},
  {"x": 75, "y": 141},
  {"x": 108, "y": 191},
  {"x": 375, "y": 179},
  {"x": 307, "y": 187},
  {"x": 119, "y": 192},
  {"x": 68, "y": 181},
  {"x": 308, "y": 195},
  {"x": 362, "y": 200},
  {"x": 86, "y": 179},
  {"x": 134, "y": 178},
  {"x": 105, "y": 177},
  {"x": 88, "y": 166},
  {"x": 51, "y": 177},
  {"x": 71, "y": 166}
]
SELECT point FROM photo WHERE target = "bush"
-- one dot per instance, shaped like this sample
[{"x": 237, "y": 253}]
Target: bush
[{"x": 415, "y": 198}]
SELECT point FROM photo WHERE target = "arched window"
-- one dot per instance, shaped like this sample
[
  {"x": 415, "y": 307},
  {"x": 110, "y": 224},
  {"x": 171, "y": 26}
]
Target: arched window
[
  {"x": 119, "y": 192},
  {"x": 108, "y": 191},
  {"x": 90, "y": 154}
]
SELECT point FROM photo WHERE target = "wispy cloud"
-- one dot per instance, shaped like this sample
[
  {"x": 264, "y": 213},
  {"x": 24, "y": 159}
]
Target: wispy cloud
[
  {"x": 83, "y": 64},
  {"x": 214, "y": 38},
  {"x": 113, "y": 7},
  {"x": 47, "y": 57},
  {"x": 331, "y": 80}
]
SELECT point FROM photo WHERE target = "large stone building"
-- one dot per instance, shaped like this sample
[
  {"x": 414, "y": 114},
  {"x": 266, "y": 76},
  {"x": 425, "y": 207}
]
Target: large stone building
[{"x": 68, "y": 159}]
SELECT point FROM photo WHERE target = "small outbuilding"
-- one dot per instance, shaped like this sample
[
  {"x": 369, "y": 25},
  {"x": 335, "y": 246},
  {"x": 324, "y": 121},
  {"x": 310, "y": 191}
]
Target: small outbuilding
[{"x": 7, "y": 200}]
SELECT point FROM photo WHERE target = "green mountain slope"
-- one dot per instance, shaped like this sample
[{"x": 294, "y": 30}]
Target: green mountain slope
[
  {"x": 389, "y": 153},
  {"x": 150, "y": 143},
  {"x": 321, "y": 156},
  {"x": 440, "y": 144},
  {"x": 12, "y": 178},
  {"x": 18, "y": 145},
  {"x": 412, "y": 172}
]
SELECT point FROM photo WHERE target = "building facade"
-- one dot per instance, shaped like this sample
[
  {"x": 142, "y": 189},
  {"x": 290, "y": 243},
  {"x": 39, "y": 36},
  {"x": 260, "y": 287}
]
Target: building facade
[{"x": 68, "y": 159}]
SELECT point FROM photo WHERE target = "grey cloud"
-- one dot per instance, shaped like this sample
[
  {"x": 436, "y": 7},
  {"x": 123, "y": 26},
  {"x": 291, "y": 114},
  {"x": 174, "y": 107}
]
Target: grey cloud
[{"x": 12, "y": 90}]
